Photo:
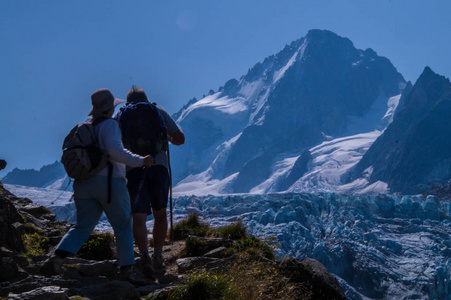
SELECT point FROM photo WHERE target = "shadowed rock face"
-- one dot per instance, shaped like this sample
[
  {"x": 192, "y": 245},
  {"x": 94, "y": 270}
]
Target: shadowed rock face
[
  {"x": 442, "y": 192},
  {"x": 10, "y": 237},
  {"x": 414, "y": 152}
]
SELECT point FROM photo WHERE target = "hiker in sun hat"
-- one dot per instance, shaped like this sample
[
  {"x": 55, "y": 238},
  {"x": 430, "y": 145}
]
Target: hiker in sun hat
[{"x": 90, "y": 195}]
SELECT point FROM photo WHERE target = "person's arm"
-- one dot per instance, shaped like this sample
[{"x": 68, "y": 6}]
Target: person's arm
[
  {"x": 175, "y": 134},
  {"x": 111, "y": 136},
  {"x": 177, "y": 138}
]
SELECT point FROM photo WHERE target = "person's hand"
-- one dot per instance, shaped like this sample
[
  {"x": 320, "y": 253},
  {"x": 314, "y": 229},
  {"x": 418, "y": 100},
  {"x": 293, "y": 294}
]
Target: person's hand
[{"x": 148, "y": 161}]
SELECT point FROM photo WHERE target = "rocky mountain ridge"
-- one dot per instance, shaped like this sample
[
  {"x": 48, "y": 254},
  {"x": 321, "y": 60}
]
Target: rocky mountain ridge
[
  {"x": 46, "y": 176},
  {"x": 414, "y": 153}
]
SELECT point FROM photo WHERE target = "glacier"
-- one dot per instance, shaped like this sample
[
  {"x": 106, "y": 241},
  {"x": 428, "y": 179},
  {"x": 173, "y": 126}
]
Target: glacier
[
  {"x": 329, "y": 162},
  {"x": 378, "y": 246}
]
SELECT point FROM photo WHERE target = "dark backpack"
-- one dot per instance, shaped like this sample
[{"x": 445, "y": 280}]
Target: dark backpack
[{"x": 143, "y": 130}]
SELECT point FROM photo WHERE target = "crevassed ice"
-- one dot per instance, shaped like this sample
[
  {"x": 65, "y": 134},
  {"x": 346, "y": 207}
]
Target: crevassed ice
[{"x": 379, "y": 247}]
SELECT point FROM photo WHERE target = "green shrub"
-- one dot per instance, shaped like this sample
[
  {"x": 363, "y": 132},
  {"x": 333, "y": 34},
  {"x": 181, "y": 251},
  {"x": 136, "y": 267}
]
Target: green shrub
[
  {"x": 31, "y": 228},
  {"x": 234, "y": 231},
  {"x": 35, "y": 243},
  {"x": 253, "y": 247},
  {"x": 160, "y": 295},
  {"x": 261, "y": 280},
  {"x": 59, "y": 229},
  {"x": 196, "y": 247},
  {"x": 194, "y": 227},
  {"x": 190, "y": 226},
  {"x": 98, "y": 247}
]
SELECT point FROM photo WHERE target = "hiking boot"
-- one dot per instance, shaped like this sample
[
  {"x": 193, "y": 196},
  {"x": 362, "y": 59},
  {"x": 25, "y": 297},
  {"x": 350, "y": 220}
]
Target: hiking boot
[
  {"x": 158, "y": 265},
  {"x": 52, "y": 266},
  {"x": 146, "y": 266},
  {"x": 133, "y": 275}
]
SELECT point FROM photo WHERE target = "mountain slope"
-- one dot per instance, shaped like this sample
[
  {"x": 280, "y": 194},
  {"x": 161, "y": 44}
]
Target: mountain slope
[
  {"x": 317, "y": 88},
  {"x": 46, "y": 176},
  {"x": 414, "y": 152}
]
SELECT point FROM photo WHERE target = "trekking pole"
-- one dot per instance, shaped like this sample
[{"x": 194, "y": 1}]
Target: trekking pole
[
  {"x": 171, "y": 237},
  {"x": 64, "y": 190}
]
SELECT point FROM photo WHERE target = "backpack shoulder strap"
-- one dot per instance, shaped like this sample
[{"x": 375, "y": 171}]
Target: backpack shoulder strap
[
  {"x": 99, "y": 120},
  {"x": 109, "y": 164},
  {"x": 110, "y": 176}
]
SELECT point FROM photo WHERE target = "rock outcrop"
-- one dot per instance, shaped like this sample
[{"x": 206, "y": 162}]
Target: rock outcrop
[{"x": 2, "y": 164}]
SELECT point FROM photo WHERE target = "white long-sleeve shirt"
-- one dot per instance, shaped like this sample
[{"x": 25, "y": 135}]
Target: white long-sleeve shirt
[{"x": 110, "y": 140}]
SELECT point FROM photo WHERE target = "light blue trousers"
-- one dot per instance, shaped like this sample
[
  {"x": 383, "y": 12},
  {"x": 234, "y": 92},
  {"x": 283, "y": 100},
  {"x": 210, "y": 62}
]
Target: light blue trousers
[{"x": 90, "y": 201}]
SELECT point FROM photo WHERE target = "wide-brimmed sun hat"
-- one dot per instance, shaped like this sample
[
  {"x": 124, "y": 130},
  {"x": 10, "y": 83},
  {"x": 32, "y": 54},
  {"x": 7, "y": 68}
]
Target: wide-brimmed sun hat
[{"x": 102, "y": 100}]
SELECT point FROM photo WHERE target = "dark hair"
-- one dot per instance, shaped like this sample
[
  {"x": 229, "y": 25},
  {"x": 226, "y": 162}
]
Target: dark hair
[{"x": 136, "y": 95}]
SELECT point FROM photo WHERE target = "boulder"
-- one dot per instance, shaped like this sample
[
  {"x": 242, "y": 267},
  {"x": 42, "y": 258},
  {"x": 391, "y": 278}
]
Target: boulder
[
  {"x": 41, "y": 293},
  {"x": 9, "y": 236},
  {"x": 323, "y": 284},
  {"x": 106, "y": 268},
  {"x": 216, "y": 253},
  {"x": 189, "y": 263},
  {"x": 9, "y": 269},
  {"x": 39, "y": 211},
  {"x": 113, "y": 290}
]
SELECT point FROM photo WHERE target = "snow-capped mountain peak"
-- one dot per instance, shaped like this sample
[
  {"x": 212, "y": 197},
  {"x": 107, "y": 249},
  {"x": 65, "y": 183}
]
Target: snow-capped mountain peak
[{"x": 317, "y": 88}]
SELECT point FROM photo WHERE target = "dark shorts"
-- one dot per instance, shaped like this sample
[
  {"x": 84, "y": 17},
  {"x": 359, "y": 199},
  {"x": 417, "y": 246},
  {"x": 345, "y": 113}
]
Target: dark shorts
[{"x": 154, "y": 191}]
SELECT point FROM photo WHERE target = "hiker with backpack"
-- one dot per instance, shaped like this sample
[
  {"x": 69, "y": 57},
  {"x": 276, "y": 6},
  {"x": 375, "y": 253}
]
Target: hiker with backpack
[
  {"x": 146, "y": 129},
  {"x": 103, "y": 191}
]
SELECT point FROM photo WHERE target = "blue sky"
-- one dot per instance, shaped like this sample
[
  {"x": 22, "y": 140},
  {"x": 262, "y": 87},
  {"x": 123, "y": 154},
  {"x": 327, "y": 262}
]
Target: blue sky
[{"x": 55, "y": 53}]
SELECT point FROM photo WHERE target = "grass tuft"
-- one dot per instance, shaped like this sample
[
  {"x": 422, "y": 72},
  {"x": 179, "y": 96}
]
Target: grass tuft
[
  {"x": 35, "y": 243},
  {"x": 253, "y": 248},
  {"x": 196, "y": 247},
  {"x": 204, "y": 285},
  {"x": 234, "y": 231},
  {"x": 98, "y": 247},
  {"x": 190, "y": 226}
]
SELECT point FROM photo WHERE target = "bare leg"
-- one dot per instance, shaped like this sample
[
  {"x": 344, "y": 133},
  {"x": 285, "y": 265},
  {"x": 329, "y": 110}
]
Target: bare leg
[
  {"x": 160, "y": 228},
  {"x": 140, "y": 231}
]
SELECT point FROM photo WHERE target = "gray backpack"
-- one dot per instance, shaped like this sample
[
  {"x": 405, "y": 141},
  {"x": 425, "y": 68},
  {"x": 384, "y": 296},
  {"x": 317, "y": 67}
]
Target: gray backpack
[{"x": 82, "y": 157}]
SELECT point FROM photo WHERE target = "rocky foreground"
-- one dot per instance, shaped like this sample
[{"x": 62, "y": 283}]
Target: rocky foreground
[{"x": 25, "y": 225}]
